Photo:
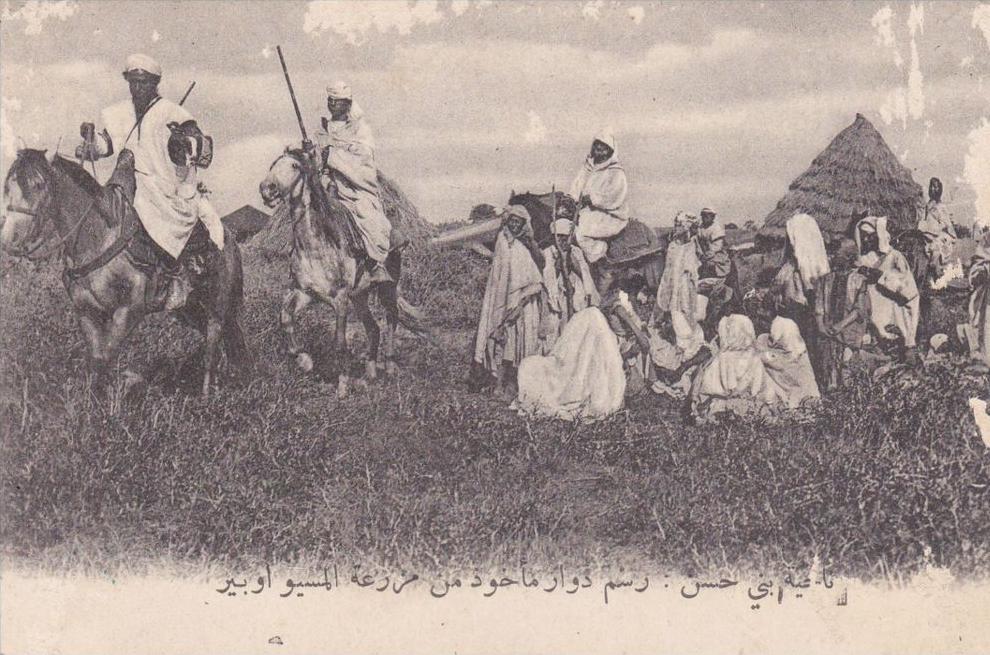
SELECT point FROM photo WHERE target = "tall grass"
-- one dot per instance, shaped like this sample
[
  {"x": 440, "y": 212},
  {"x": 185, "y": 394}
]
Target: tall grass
[{"x": 419, "y": 473}]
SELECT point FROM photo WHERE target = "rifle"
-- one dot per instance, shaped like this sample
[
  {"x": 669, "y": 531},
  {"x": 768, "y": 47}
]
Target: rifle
[
  {"x": 564, "y": 258},
  {"x": 315, "y": 187},
  {"x": 188, "y": 91}
]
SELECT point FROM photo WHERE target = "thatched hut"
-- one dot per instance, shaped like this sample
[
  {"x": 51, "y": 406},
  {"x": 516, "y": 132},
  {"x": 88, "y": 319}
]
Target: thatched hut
[
  {"x": 856, "y": 173},
  {"x": 246, "y": 222}
]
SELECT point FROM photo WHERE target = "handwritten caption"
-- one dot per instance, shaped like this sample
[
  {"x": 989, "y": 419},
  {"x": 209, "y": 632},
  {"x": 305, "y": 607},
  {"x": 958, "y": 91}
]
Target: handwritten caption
[{"x": 554, "y": 581}]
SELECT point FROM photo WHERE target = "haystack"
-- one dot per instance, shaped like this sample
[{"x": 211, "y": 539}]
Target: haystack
[
  {"x": 856, "y": 173},
  {"x": 276, "y": 239},
  {"x": 246, "y": 222}
]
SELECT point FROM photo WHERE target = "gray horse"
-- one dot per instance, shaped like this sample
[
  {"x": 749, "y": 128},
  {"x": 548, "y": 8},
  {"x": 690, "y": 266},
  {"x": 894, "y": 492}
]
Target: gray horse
[{"x": 323, "y": 268}]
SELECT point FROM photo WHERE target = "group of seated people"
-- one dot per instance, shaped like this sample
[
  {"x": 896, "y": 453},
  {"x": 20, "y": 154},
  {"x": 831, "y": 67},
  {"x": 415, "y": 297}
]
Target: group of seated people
[{"x": 557, "y": 345}]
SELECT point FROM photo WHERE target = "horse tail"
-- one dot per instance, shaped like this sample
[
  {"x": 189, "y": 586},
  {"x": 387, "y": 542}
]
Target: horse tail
[
  {"x": 234, "y": 343},
  {"x": 413, "y": 319}
]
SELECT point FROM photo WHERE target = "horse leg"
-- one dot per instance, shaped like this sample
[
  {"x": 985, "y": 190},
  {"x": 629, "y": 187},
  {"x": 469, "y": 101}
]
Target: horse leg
[
  {"x": 94, "y": 331},
  {"x": 388, "y": 295},
  {"x": 123, "y": 321},
  {"x": 294, "y": 302},
  {"x": 373, "y": 333},
  {"x": 341, "y": 308},
  {"x": 213, "y": 333}
]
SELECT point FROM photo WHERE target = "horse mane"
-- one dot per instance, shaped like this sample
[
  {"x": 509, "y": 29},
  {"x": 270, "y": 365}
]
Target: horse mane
[
  {"x": 78, "y": 174},
  {"x": 325, "y": 222},
  {"x": 30, "y": 162}
]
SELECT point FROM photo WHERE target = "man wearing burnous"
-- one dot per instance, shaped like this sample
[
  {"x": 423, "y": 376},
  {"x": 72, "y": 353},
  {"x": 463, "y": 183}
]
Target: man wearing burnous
[
  {"x": 168, "y": 149},
  {"x": 347, "y": 148}
]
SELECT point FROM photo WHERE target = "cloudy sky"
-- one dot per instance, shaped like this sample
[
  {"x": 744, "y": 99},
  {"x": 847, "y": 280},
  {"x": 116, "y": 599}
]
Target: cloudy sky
[{"x": 720, "y": 103}]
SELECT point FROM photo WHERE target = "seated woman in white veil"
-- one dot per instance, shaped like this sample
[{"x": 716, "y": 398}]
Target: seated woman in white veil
[
  {"x": 582, "y": 378},
  {"x": 736, "y": 378}
]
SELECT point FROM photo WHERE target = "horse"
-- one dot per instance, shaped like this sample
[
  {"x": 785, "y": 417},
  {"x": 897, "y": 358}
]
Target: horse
[
  {"x": 109, "y": 288},
  {"x": 637, "y": 250},
  {"x": 324, "y": 268}
]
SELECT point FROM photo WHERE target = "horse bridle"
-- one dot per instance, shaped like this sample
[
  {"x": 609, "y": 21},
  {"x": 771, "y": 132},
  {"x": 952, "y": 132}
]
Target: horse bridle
[
  {"x": 46, "y": 216},
  {"x": 290, "y": 193}
]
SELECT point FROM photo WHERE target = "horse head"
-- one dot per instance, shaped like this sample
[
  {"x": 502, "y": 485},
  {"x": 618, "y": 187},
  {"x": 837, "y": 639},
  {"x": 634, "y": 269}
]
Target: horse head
[
  {"x": 28, "y": 202},
  {"x": 284, "y": 175}
]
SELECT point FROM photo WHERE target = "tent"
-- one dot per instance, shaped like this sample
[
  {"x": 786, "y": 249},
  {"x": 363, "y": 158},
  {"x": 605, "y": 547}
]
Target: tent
[{"x": 856, "y": 173}]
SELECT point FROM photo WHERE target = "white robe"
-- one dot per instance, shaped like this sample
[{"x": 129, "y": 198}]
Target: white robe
[
  {"x": 166, "y": 198},
  {"x": 581, "y": 379},
  {"x": 788, "y": 366},
  {"x": 585, "y": 294},
  {"x": 605, "y": 184},
  {"x": 514, "y": 283},
  {"x": 352, "y": 166}
]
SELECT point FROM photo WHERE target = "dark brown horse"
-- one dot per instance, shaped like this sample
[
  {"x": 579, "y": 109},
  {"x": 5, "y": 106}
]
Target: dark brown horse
[
  {"x": 56, "y": 206},
  {"x": 638, "y": 249}
]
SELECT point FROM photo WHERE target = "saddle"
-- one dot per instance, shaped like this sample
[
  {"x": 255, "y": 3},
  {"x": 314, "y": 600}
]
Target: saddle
[
  {"x": 137, "y": 245},
  {"x": 636, "y": 240}
]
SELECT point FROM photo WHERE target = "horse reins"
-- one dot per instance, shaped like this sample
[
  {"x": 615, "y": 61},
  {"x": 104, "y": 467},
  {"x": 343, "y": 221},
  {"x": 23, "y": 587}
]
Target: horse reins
[
  {"x": 46, "y": 216},
  {"x": 28, "y": 252}
]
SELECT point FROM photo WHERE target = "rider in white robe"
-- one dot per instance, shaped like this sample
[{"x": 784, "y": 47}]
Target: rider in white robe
[
  {"x": 349, "y": 147},
  {"x": 600, "y": 190},
  {"x": 167, "y": 198}
]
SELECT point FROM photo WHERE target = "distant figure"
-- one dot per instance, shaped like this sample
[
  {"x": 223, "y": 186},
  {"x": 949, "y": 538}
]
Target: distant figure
[
  {"x": 883, "y": 290},
  {"x": 509, "y": 325},
  {"x": 976, "y": 332},
  {"x": 936, "y": 224},
  {"x": 169, "y": 148},
  {"x": 582, "y": 377},
  {"x": 798, "y": 288},
  {"x": 568, "y": 282},
  {"x": 785, "y": 356},
  {"x": 600, "y": 190},
  {"x": 715, "y": 268},
  {"x": 347, "y": 148}
]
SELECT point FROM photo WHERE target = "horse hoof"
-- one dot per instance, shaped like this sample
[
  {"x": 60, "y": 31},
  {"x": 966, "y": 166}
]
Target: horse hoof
[
  {"x": 342, "y": 387},
  {"x": 391, "y": 369},
  {"x": 370, "y": 371},
  {"x": 132, "y": 382},
  {"x": 304, "y": 362}
]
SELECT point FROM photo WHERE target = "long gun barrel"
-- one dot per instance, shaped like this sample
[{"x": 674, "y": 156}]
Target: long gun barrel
[
  {"x": 292, "y": 93},
  {"x": 188, "y": 91}
]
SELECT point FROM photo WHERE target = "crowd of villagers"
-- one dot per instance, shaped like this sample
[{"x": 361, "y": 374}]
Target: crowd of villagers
[{"x": 549, "y": 342}]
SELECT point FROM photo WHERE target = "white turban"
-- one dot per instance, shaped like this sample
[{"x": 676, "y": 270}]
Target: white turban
[
  {"x": 562, "y": 226},
  {"x": 142, "y": 63},
  {"x": 339, "y": 91}
]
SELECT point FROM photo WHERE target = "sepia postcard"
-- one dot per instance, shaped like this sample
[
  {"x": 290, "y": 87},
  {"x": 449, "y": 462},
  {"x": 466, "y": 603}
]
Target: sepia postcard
[{"x": 492, "y": 326}]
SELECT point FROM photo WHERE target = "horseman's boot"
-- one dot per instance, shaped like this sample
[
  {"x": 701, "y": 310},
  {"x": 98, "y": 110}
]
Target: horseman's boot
[{"x": 374, "y": 274}]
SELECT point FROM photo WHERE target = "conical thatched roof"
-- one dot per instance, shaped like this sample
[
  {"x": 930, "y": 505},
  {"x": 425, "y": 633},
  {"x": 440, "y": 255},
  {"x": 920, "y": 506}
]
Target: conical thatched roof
[
  {"x": 856, "y": 173},
  {"x": 246, "y": 222}
]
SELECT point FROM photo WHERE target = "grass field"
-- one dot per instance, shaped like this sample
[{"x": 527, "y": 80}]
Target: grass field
[{"x": 419, "y": 473}]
